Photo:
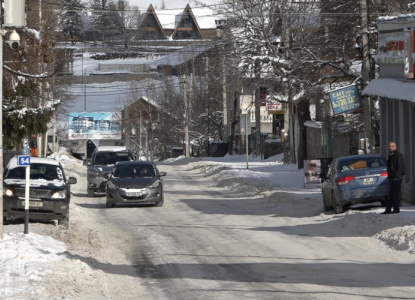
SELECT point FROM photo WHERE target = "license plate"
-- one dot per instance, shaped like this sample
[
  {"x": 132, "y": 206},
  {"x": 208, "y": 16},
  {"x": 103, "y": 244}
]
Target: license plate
[
  {"x": 367, "y": 181},
  {"x": 33, "y": 204},
  {"x": 134, "y": 194}
]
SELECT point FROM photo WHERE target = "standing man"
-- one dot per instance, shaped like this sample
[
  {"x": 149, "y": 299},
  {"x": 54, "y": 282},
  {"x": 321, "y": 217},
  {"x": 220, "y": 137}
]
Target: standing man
[{"x": 396, "y": 171}]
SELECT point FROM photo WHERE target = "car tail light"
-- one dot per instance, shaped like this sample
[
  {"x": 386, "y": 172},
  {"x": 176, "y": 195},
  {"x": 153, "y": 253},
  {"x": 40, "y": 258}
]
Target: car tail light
[
  {"x": 344, "y": 180},
  {"x": 384, "y": 174}
]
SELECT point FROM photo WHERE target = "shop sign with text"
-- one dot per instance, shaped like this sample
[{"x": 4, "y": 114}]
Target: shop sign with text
[{"x": 345, "y": 99}]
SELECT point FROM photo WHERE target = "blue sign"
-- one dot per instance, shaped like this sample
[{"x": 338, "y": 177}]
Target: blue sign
[
  {"x": 345, "y": 99},
  {"x": 23, "y": 160},
  {"x": 25, "y": 147}
]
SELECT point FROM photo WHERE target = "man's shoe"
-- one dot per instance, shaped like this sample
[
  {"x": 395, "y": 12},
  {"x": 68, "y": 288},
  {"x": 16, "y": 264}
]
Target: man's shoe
[{"x": 386, "y": 213}]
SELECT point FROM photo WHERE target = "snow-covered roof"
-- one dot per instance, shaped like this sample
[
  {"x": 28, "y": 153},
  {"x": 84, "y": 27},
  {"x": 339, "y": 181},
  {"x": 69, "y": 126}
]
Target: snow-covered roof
[
  {"x": 204, "y": 17},
  {"x": 391, "y": 88},
  {"x": 399, "y": 18},
  {"x": 169, "y": 18}
]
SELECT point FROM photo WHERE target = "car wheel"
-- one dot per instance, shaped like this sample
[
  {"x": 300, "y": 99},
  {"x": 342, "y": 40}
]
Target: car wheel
[
  {"x": 326, "y": 206},
  {"x": 338, "y": 209},
  {"x": 64, "y": 221},
  {"x": 161, "y": 202},
  {"x": 91, "y": 192}
]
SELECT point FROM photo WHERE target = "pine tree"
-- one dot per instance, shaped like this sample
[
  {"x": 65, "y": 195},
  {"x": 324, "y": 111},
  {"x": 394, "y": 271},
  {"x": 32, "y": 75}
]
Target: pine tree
[{"x": 71, "y": 19}]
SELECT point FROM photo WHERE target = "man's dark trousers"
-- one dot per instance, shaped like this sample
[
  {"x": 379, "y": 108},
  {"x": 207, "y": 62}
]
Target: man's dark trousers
[{"x": 394, "y": 198}]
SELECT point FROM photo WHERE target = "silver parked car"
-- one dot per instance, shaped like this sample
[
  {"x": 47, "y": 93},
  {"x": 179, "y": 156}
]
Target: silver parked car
[
  {"x": 102, "y": 162},
  {"x": 135, "y": 182}
]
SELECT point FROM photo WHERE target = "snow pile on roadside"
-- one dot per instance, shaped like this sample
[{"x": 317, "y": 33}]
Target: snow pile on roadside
[
  {"x": 62, "y": 155},
  {"x": 26, "y": 258},
  {"x": 173, "y": 159},
  {"x": 399, "y": 238}
]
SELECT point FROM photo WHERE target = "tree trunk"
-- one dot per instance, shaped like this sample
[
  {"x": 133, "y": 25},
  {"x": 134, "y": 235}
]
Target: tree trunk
[{"x": 303, "y": 114}]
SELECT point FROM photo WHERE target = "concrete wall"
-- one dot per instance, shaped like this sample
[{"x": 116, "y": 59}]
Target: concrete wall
[
  {"x": 105, "y": 67},
  {"x": 108, "y": 78}
]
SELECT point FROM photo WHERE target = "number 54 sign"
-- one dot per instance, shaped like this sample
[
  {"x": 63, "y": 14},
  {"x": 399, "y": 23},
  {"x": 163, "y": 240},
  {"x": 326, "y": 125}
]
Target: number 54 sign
[{"x": 23, "y": 160}]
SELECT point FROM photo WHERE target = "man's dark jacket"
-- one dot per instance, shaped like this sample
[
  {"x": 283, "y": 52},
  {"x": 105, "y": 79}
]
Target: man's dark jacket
[{"x": 396, "y": 165}]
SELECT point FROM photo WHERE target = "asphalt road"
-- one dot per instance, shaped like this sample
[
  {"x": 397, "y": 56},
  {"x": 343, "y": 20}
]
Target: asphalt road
[{"x": 208, "y": 242}]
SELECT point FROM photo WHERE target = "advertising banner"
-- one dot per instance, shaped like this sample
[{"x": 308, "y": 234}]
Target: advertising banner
[
  {"x": 312, "y": 170},
  {"x": 345, "y": 99},
  {"x": 275, "y": 108},
  {"x": 99, "y": 125}
]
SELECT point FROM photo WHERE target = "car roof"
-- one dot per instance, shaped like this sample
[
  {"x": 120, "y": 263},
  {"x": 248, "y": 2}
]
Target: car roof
[
  {"x": 36, "y": 160},
  {"x": 111, "y": 148},
  {"x": 362, "y": 156},
  {"x": 136, "y": 162}
]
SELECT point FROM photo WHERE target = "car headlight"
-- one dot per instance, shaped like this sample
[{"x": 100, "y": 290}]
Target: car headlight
[
  {"x": 8, "y": 192},
  {"x": 93, "y": 173},
  {"x": 111, "y": 185},
  {"x": 154, "y": 184},
  {"x": 59, "y": 195}
]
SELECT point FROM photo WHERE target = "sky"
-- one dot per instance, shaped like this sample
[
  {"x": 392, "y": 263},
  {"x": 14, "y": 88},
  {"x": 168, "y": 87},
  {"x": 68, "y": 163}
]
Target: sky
[{"x": 28, "y": 259}]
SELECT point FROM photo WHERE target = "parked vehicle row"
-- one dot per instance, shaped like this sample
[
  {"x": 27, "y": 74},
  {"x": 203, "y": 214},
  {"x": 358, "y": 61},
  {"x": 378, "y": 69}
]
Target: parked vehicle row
[{"x": 112, "y": 170}]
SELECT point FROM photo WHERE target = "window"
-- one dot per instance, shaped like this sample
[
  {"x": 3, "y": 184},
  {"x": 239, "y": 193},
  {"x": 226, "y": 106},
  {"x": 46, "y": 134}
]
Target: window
[{"x": 362, "y": 163}]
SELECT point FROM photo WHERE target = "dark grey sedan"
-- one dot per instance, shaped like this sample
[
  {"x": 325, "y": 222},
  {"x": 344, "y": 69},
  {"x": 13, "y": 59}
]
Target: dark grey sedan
[{"x": 135, "y": 182}]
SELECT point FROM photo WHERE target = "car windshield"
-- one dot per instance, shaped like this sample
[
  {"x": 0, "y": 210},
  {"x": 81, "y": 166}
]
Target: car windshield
[
  {"x": 111, "y": 158},
  {"x": 362, "y": 163},
  {"x": 37, "y": 171},
  {"x": 124, "y": 171}
]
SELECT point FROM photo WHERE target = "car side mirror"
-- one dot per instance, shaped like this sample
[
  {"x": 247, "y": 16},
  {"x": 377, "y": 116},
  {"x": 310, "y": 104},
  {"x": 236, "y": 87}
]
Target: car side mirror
[
  {"x": 162, "y": 174},
  {"x": 72, "y": 180}
]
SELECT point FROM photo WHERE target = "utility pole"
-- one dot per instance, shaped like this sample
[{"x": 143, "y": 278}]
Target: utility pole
[
  {"x": 225, "y": 102},
  {"x": 186, "y": 118},
  {"x": 287, "y": 91},
  {"x": 127, "y": 126},
  {"x": 366, "y": 77},
  {"x": 233, "y": 123},
  {"x": 257, "y": 105}
]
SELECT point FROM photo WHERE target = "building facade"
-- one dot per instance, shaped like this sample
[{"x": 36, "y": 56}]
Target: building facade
[{"x": 395, "y": 88}]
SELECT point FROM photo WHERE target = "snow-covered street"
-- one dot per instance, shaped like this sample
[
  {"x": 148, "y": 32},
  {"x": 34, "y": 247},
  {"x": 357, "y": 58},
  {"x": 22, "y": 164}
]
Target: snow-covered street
[{"x": 224, "y": 232}]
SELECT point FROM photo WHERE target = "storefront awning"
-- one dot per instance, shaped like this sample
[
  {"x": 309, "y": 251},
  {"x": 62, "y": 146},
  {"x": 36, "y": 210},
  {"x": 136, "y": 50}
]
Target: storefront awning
[{"x": 391, "y": 88}]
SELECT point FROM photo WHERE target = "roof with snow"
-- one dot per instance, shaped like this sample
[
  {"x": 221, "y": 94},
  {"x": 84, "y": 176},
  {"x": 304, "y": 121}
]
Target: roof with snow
[{"x": 391, "y": 88}]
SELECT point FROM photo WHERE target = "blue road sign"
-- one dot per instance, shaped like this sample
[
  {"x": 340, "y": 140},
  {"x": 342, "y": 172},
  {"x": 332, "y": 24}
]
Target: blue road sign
[{"x": 23, "y": 160}]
